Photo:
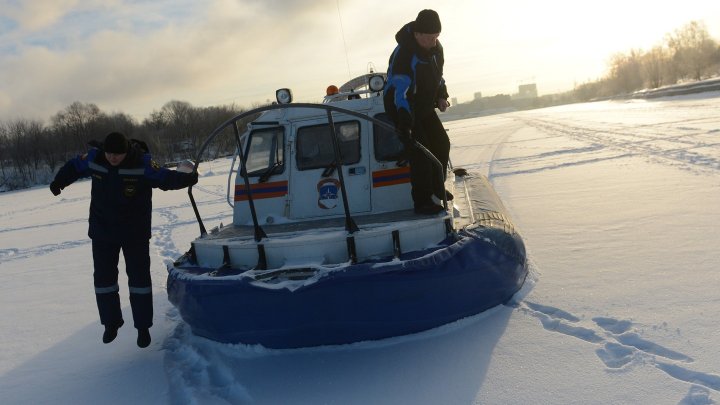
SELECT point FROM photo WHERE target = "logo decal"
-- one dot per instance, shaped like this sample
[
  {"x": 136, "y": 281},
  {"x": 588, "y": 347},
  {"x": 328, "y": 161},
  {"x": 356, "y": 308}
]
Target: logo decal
[
  {"x": 328, "y": 193},
  {"x": 130, "y": 190}
]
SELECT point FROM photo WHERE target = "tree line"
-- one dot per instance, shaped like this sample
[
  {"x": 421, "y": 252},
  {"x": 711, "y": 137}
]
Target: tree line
[
  {"x": 687, "y": 54},
  {"x": 31, "y": 152}
]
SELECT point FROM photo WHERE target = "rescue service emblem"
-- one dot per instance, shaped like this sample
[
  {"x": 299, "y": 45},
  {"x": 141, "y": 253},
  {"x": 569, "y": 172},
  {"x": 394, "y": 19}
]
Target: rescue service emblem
[
  {"x": 328, "y": 193},
  {"x": 130, "y": 190}
]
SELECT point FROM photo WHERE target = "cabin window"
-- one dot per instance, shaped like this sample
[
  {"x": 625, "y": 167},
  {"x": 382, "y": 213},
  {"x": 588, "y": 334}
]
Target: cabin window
[
  {"x": 265, "y": 156},
  {"x": 315, "y": 147},
  {"x": 388, "y": 147}
]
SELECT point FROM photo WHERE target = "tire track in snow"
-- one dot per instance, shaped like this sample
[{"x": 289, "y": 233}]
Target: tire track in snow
[{"x": 620, "y": 345}]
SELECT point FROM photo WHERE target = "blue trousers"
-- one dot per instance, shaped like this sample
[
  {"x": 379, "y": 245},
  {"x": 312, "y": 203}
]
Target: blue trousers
[{"x": 106, "y": 255}]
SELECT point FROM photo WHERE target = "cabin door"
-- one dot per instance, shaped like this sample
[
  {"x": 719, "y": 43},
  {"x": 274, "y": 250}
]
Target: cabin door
[{"x": 315, "y": 184}]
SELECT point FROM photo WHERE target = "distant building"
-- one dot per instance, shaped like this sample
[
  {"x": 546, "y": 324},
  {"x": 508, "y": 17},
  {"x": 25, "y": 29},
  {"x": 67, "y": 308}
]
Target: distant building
[
  {"x": 527, "y": 91},
  {"x": 453, "y": 101},
  {"x": 478, "y": 95}
]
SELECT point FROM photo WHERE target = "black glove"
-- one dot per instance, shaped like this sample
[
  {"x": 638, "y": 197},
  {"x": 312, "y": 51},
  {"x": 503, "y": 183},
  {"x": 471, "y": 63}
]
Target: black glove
[
  {"x": 55, "y": 188},
  {"x": 193, "y": 178},
  {"x": 405, "y": 136}
]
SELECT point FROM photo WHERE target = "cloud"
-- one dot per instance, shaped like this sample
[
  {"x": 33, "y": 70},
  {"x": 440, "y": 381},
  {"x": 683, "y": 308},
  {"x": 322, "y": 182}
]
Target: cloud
[
  {"x": 228, "y": 51},
  {"x": 37, "y": 14},
  {"x": 133, "y": 56}
]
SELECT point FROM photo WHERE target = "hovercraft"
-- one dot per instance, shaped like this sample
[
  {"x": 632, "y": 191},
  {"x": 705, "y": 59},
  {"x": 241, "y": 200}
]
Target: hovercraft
[{"x": 325, "y": 247}]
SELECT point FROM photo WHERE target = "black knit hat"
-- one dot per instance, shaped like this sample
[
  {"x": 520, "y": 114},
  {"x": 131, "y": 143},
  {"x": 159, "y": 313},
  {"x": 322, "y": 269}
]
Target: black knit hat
[
  {"x": 428, "y": 22},
  {"x": 116, "y": 142}
]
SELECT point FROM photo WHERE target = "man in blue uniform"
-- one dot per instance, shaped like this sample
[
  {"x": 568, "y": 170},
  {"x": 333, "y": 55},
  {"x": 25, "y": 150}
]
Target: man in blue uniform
[
  {"x": 415, "y": 87},
  {"x": 123, "y": 176}
]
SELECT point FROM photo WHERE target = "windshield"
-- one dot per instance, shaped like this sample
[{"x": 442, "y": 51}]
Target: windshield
[
  {"x": 266, "y": 151},
  {"x": 315, "y": 146}
]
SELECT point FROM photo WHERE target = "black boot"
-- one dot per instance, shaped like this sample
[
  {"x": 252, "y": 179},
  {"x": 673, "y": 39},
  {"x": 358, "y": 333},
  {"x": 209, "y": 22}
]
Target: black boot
[
  {"x": 111, "y": 332},
  {"x": 143, "y": 339},
  {"x": 428, "y": 208},
  {"x": 447, "y": 195}
]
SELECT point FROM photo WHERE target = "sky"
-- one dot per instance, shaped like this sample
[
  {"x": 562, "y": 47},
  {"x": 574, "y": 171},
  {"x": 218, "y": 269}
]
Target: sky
[
  {"x": 617, "y": 202},
  {"x": 133, "y": 56}
]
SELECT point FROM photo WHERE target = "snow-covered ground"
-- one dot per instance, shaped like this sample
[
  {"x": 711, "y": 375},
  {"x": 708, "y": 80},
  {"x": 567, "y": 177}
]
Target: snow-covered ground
[{"x": 619, "y": 206}]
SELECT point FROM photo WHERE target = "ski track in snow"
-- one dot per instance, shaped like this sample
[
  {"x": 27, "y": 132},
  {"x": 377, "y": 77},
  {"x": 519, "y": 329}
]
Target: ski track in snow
[
  {"x": 619, "y": 346},
  {"x": 12, "y": 254},
  {"x": 693, "y": 150},
  {"x": 42, "y": 208},
  {"x": 45, "y": 225}
]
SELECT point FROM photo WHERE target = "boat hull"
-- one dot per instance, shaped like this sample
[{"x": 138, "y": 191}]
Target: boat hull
[{"x": 476, "y": 269}]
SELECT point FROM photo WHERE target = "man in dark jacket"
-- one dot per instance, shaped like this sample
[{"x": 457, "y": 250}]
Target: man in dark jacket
[
  {"x": 123, "y": 176},
  {"x": 415, "y": 87}
]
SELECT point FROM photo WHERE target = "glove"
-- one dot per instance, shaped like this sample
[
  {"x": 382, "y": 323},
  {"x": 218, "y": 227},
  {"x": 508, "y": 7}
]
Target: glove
[
  {"x": 193, "y": 178},
  {"x": 405, "y": 136},
  {"x": 55, "y": 188}
]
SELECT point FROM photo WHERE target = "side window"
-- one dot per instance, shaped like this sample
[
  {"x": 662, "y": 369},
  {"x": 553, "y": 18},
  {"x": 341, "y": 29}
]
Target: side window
[
  {"x": 266, "y": 152},
  {"x": 388, "y": 147},
  {"x": 315, "y": 147}
]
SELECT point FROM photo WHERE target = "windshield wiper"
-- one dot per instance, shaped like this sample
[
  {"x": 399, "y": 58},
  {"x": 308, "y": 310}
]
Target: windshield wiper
[{"x": 265, "y": 175}]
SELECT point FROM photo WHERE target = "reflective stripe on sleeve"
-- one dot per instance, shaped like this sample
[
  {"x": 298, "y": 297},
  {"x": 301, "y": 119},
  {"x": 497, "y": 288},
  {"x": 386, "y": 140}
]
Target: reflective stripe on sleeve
[
  {"x": 97, "y": 167},
  {"x": 140, "y": 290}
]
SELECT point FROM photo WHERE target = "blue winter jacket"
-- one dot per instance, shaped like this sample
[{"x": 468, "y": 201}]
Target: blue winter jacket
[
  {"x": 121, "y": 196},
  {"x": 415, "y": 78}
]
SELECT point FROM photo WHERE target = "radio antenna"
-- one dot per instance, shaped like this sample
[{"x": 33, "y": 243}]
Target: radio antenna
[{"x": 342, "y": 31}]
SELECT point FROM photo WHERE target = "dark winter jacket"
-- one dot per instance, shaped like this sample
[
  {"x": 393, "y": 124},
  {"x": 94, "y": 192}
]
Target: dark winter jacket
[
  {"x": 121, "y": 196},
  {"x": 415, "y": 78}
]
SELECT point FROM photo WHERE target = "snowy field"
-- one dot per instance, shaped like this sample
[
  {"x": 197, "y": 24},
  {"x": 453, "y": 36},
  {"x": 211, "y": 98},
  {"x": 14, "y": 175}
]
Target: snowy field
[{"x": 619, "y": 206}]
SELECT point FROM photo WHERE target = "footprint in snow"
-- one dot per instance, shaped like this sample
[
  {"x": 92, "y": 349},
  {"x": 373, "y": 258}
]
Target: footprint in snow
[
  {"x": 614, "y": 355},
  {"x": 621, "y": 345},
  {"x": 557, "y": 320},
  {"x": 198, "y": 371},
  {"x": 613, "y": 325},
  {"x": 697, "y": 396}
]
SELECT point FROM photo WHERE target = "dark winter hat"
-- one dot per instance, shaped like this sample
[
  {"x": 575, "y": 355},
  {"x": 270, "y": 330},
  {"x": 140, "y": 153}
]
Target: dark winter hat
[
  {"x": 116, "y": 142},
  {"x": 428, "y": 22}
]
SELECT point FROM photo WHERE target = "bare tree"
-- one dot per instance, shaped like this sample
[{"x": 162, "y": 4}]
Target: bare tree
[
  {"x": 24, "y": 150},
  {"x": 4, "y": 155},
  {"x": 654, "y": 66},
  {"x": 693, "y": 50},
  {"x": 76, "y": 125},
  {"x": 626, "y": 72}
]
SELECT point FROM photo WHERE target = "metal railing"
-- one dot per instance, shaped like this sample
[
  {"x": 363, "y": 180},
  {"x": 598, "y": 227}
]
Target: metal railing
[{"x": 350, "y": 225}]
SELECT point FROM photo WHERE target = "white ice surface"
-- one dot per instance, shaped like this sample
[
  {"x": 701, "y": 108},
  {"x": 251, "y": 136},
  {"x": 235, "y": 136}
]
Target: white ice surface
[{"x": 618, "y": 204}]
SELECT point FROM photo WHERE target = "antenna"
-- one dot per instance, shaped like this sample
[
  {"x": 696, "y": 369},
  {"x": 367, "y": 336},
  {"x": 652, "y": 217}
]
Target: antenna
[{"x": 342, "y": 31}]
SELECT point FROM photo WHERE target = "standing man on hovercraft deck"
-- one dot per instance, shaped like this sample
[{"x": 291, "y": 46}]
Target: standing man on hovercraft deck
[
  {"x": 123, "y": 176},
  {"x": 415, "y": 87}
]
